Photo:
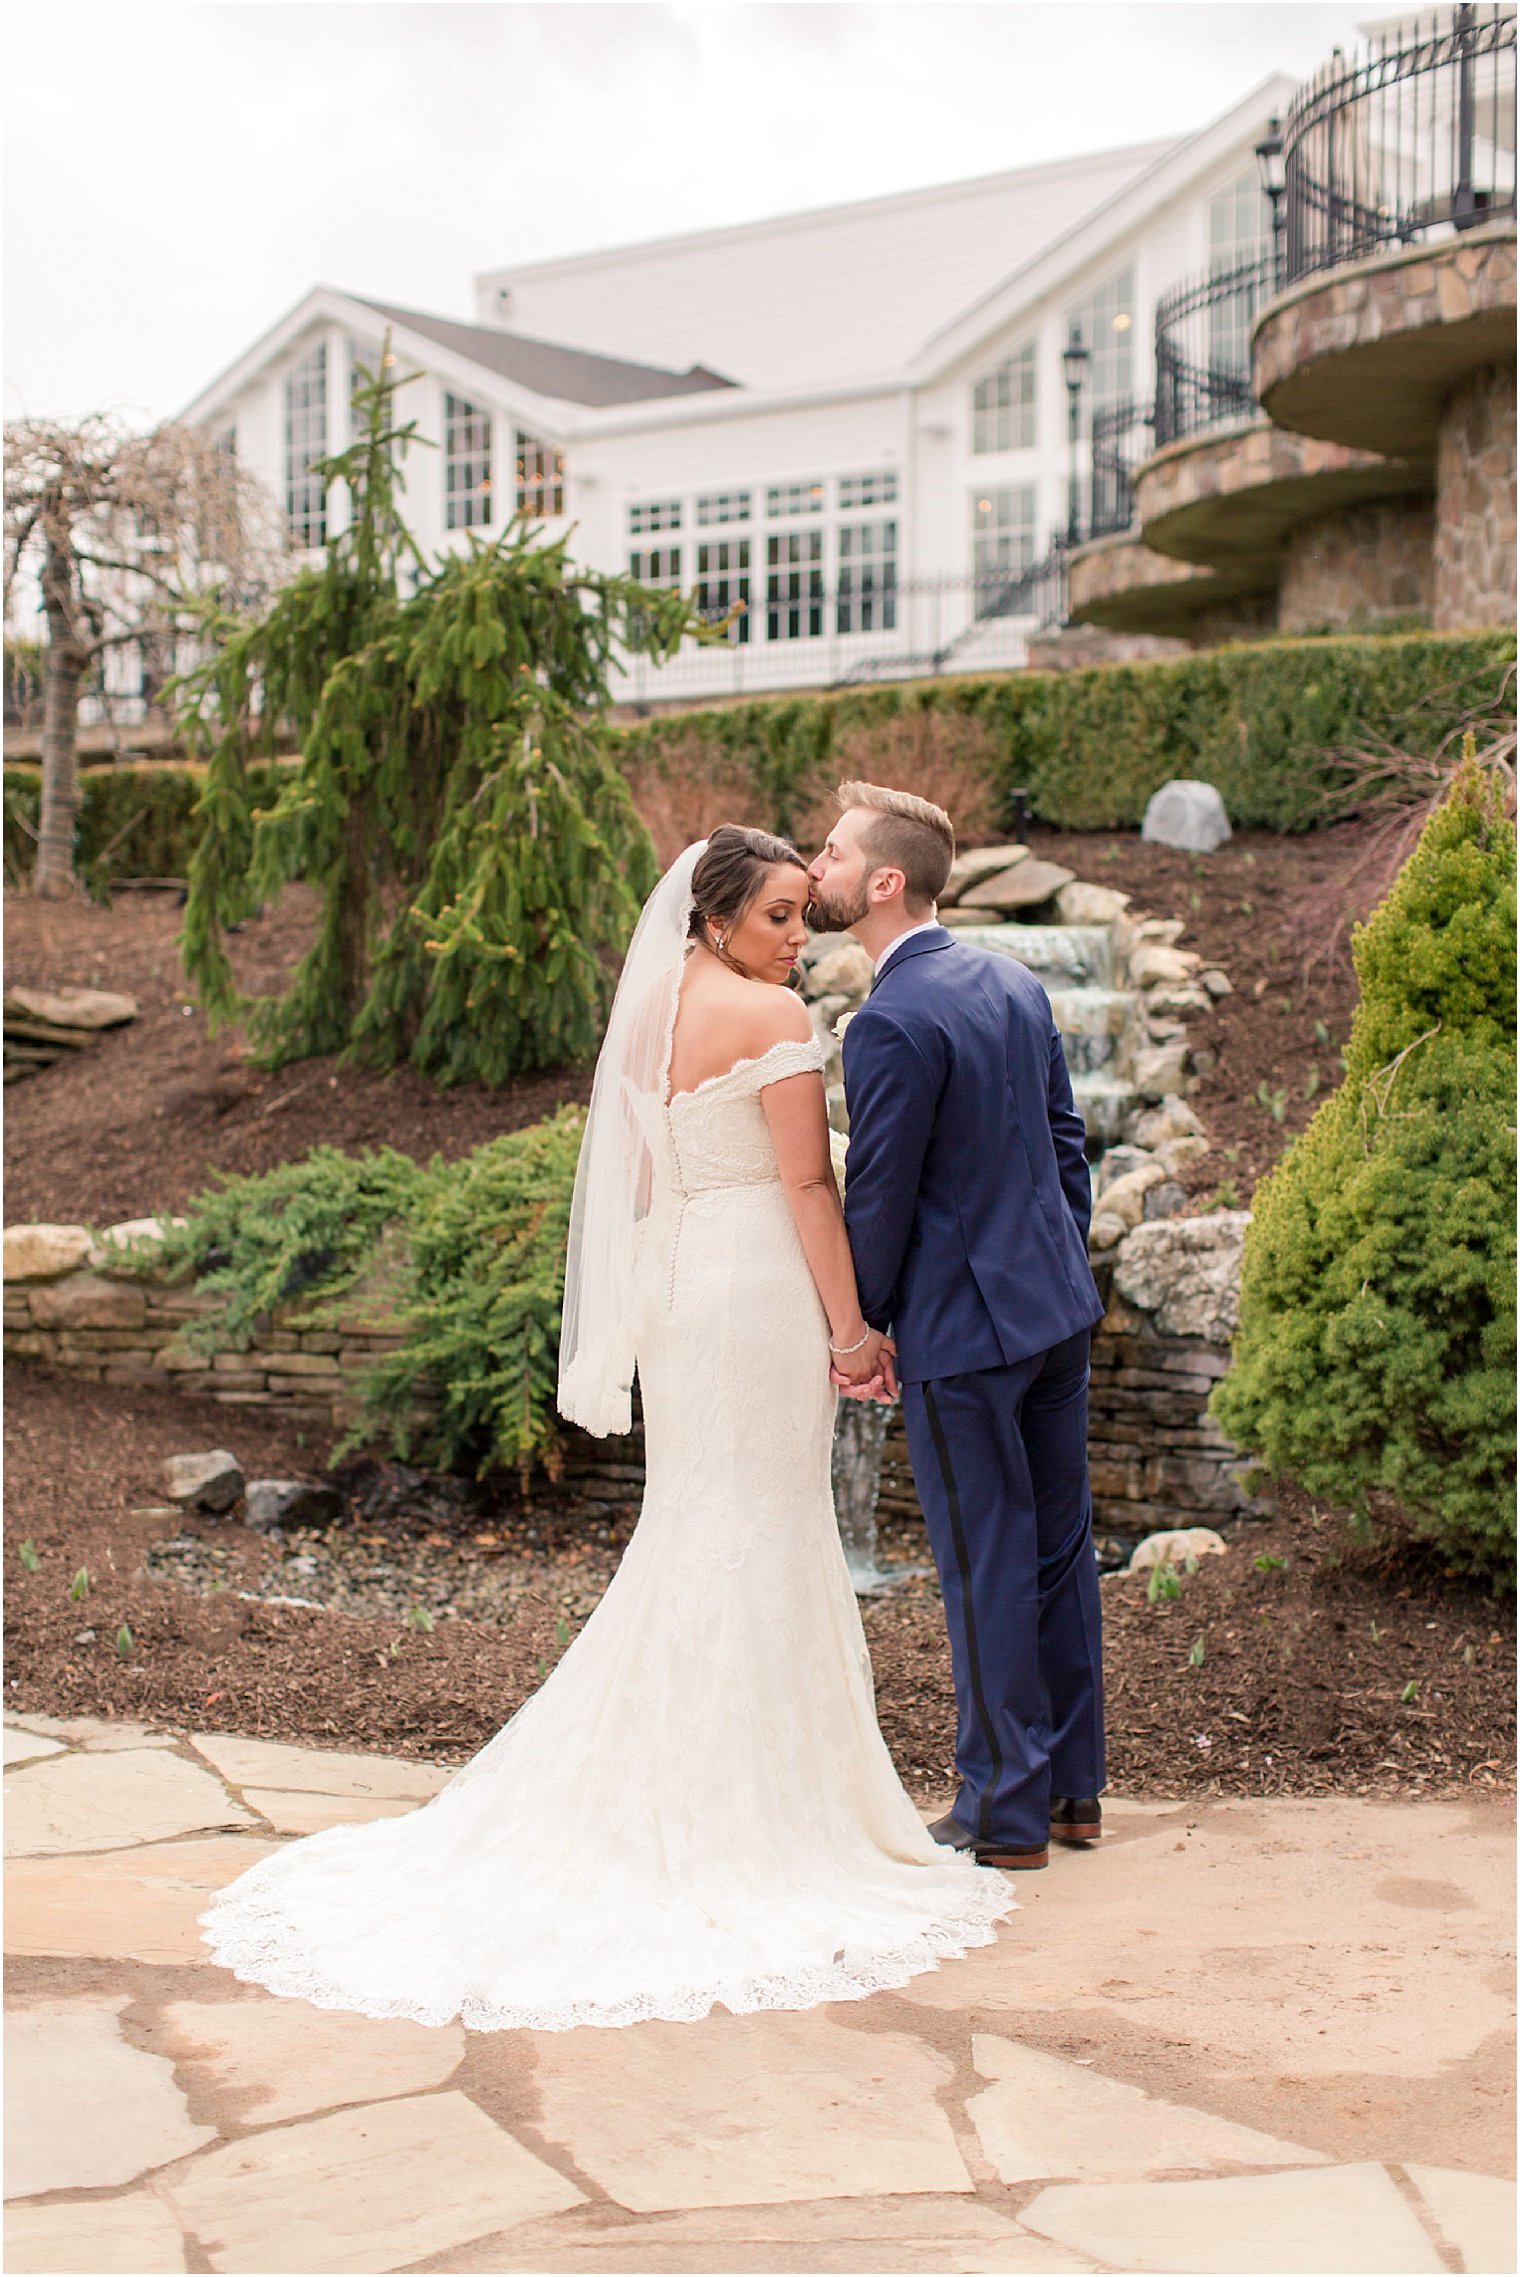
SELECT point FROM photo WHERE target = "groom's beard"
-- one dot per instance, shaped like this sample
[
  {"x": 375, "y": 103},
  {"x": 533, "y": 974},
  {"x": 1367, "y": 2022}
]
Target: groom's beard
[{"x": 836, "y": 916}]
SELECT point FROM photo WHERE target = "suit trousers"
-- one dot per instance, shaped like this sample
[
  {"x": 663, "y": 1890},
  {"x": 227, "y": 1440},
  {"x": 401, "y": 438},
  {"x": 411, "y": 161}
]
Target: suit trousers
[{"x": 1000, "y": 1462}]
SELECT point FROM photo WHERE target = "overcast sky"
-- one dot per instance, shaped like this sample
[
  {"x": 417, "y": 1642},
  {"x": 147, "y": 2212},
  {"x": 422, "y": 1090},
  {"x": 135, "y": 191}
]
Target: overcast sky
[{"x": 179, "y": 172}]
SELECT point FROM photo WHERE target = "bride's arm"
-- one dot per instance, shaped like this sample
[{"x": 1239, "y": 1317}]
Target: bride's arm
[{"x": 797, "y": 1114}]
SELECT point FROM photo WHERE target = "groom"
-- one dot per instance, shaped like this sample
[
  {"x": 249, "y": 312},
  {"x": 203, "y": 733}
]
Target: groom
[{"x": 967, "y": 1201}]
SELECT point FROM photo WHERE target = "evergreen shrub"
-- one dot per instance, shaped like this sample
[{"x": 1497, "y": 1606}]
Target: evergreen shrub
[
  {"x": 1376, "y": 1350},
  {"x": 137, "y": 821},
  {"x": 1090, "y": 747}
]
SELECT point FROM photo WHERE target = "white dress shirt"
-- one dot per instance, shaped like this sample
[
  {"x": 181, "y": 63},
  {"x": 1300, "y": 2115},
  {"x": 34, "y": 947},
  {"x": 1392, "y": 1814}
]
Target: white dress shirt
[{"x": 925, "y": 925}]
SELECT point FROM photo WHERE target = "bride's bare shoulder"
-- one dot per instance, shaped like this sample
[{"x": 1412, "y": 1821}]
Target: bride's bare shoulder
[{"x": 776, "y": 1016}]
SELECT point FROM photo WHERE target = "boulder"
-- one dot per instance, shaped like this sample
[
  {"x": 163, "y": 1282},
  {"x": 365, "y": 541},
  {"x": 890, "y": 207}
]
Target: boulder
[
  {"x": 1160, "y": 1070},
  {"x": 1187, "y": 814},
  {"x": 1163, "y": 929},
  {"x": 85, "y": 1300},
  {"x": 844, "y": 970},
  {"x": 957, "y": 917},
  {"x": 1106, "y": 1230},
  {"x": 1125, "y": 1198},
  {"x": 1174, "y": 1118},
  {"x": 42, "y": 1252},
  {"x": 1153, "y": 965},
  {"x": 1185, "y": 1272},
  {"x": 1026, "y": 886},
  {"x": 1083, "y": 904},
  {"x": 72, "y": 1007},
  {"x": 1164, "y": 1201},
  {"x": 129, "y": 1244},
  {"x": 1178, "y": 1003},
  {"x": 211, "y": 1481},
  {"x": 1216, "y": 982},
  {"x": 1175, "y": 1545},
  {"x": 272, "y": 1503},
  {"x": 980, "y": 862},
  {"x": 1173, "y": 1153},
  {"x": 1118, "y": 1162}
]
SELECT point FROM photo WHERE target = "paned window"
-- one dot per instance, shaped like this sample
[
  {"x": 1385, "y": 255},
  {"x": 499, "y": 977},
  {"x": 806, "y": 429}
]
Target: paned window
[
  {"x": 1003, "y": 405},
  {"x": 540, "y": 478},
  {"x": 723, "y": 582},
  {"x": 1002, "y": 541},
  {"x": 794, "y": 586},
  {"x": 1106, "y": 325},
  {"x": 1240, "y": 231},
  {"x": 721, "y": 506},
  {"x": 466, "y": 464},
  {"x": 783, "y": 499},
  {"x": 660, "y": 514},
  {"x": 656, "y": 565},
  {"x": 858, "y": 490},
  {"x": 866, "y": 594},
  {"x": 305, "y": 444}
]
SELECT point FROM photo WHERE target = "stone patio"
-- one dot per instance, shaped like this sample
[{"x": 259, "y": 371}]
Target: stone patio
[{"x": 1243, "y": 2036}]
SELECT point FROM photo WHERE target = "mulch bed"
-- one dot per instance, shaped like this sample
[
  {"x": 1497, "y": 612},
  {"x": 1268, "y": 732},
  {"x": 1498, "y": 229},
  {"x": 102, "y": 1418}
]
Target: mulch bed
[{"x": 1303, "y": 1686}]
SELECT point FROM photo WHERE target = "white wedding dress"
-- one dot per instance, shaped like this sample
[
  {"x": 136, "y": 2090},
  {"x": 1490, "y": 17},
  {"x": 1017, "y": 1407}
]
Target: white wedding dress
[{"x": 697, "y": 1806}]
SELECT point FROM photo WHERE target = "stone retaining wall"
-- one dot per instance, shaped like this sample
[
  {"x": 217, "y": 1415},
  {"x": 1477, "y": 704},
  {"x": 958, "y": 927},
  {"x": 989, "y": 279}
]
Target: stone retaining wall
[
  {"x": 1351, "y": 567},
  {"x": 1475, "y": 492},
  {"x": 1158, "y": 1459}
]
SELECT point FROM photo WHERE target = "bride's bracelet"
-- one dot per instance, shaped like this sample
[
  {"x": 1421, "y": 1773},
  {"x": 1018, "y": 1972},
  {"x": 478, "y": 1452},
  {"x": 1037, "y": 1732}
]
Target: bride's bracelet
[{"x": 843, "y": 1351}]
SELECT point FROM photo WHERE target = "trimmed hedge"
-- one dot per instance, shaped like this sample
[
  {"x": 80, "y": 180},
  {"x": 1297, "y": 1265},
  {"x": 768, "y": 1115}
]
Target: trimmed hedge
[
  {"x": 134, "y": 822},
  {"x": 1091, "y": 746}
]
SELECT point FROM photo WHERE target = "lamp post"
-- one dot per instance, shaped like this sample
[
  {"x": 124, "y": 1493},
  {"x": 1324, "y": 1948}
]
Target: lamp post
[
  {"x": 1274, "y": 175},
  {"x": 1074, "y": 362}
]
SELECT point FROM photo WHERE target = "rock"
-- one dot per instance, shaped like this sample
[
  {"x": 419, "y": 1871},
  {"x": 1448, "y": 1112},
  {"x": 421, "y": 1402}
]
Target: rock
[
  {"x": 42, "y": 1252},
  {"x": 1025, "y": 886},
  {"x": 84, "y": 1300},
  {"x": 1163, "y": 1201},
  {"x": 843, "y": 970},
  {"x": 1163, "y": 929},
  {"x": 1125, "y": 1198},
  {"x": 1106, "y": 1230},
  {"x": 1173, "y": 1153},
  {"x": 1082, "y": 904},
  {"x": 1175, "y": 1546},
  {"x": 1160, "y": 1070},
  {"x": 1216, "y": 982},
  {"x": 1174, "y": 1118},
  {"x": 1178, "y": 1003},
  {"x": 130, "y": 1244},
  {"x": 1186, "y": 1273},
  {"x": 1118, "y": 1162},
  {"x": 1153, "y": 965},
  {"x": 957, "y": 917},
  {"x": 270, "y": 1503},
  {"x": 980, "y": 862},
  {"x": 72, "y": 1007},
  {"x": 203, "y": 1482},
  {"x": 1188, "y": 814}
]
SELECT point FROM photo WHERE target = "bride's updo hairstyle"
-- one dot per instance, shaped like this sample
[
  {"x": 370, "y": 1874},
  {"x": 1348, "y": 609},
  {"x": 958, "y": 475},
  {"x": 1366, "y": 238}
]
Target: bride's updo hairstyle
[{"x": 729, "y": 875}]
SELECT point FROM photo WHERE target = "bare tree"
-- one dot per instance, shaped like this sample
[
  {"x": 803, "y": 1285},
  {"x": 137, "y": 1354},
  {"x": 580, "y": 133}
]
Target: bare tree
[{"x": 119, "y": 540}]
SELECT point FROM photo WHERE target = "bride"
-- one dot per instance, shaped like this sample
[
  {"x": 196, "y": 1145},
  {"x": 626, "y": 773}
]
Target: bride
[{"x": 697, "y": 1806}]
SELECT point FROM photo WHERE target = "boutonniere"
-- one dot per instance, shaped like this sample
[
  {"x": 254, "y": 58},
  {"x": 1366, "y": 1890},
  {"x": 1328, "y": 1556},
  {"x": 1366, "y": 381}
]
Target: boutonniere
[{"x": 842, "y": 1023}]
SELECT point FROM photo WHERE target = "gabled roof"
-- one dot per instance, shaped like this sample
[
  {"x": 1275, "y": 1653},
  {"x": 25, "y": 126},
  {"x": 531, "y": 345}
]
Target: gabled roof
[{"x": 569, "y": 375}]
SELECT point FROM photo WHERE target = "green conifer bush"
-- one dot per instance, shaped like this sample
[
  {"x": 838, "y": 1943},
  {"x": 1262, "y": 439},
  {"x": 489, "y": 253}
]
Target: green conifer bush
[{"x": 1376, "y": 1349}]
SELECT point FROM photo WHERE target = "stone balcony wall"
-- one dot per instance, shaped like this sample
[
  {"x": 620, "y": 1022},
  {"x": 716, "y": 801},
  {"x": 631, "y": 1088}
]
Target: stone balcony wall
[
  {"x": 1475, "y": 513},
  {"x": 1358, "y": 564}
]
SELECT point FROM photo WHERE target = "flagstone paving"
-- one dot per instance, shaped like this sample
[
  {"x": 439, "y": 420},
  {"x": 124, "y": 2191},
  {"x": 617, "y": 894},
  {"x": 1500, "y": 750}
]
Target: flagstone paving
[{"x": 1242, "y": 2036}]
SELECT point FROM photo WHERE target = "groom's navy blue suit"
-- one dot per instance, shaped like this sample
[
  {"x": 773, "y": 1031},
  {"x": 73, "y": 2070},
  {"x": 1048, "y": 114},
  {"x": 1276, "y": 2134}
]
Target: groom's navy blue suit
[{"x": 967, "y": 1199}]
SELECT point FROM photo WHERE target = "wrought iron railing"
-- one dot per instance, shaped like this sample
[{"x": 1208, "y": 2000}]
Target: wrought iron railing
[
  {"x": 1203, "y": 349},
  {"x": 1122, "y": 435},
  {"x": 1413, "y": 139}
]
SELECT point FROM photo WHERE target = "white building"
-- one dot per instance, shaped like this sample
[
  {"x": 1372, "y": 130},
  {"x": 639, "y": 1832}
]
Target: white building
[{"x": 854, "y": 421}]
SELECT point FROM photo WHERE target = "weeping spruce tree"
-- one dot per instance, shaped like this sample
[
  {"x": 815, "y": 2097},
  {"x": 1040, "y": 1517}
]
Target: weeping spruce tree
[
  {"x": 477, "y": 856},
  {"x": 1377, "y": 1324}
]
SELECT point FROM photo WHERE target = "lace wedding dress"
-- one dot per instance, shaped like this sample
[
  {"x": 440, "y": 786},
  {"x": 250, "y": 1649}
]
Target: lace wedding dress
[{"x": 697, "y": 1806}]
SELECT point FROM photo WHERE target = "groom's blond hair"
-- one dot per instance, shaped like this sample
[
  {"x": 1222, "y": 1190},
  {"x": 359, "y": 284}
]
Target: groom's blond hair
[{"x": 909, "y": 834}]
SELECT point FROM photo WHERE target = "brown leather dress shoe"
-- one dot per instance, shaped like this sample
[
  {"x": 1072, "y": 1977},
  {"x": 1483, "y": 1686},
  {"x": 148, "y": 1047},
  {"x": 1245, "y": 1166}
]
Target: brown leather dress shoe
[
  {"x": 953, "y": 1836},
  {"x": 1076, "y": 1820}
]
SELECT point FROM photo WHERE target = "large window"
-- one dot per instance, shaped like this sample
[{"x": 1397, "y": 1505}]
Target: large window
[
  {"x": 858, "y": 490},
  {"x": 305, "y": 445},
  {"x": 1003, "y": 405},
  {"x": 540, "y": 478},
  {"x": 719, "y": 506},
  {"x": 866, "y": 595},
  {"x": 466, "y": 464},
  {"x": 1240, "y": 232},
  {"x": 1106, "y": 324},
  {"x": 723, "y": 582},
  {"x": 794, "y": 585},
  {"x": 1002, "y": 542},
  {"x": 656, "y": 565},
  {"x": 654, "y": 514}
]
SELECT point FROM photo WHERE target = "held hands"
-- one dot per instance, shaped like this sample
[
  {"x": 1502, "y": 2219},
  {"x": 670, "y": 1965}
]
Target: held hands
[{"x": 869, "y": 1372}]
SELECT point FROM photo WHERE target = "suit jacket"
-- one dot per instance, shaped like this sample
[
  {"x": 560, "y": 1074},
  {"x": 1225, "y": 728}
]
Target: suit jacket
[{"x": 967, "y": 1194}]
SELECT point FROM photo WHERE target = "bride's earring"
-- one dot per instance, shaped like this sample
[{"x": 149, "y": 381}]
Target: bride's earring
[{"x": 720, "y": 951}]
